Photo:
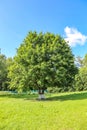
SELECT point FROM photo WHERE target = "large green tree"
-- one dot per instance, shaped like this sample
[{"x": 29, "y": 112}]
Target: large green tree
[{"x": 43, "y": 60}]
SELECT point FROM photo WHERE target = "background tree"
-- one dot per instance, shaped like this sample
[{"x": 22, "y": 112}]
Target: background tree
[
  {"x": 3, "y": 72},
  {"x": 81, "y": 77},
  {"x": 43, "y": 60},
  {"x": 9, "y": 62}
]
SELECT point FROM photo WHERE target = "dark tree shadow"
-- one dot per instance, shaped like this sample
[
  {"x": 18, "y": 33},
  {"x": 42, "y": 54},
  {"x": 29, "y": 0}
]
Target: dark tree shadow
[
  {"x": 65, "y": 97},
  {"x": 70, "y": 96}
]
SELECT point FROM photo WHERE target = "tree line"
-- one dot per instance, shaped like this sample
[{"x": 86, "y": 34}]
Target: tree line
[{"x": 43, "y": 61}]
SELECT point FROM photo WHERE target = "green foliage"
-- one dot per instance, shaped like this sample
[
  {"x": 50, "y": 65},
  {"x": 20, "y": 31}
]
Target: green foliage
[
  {"x": 81, "y": 79},
  {"x": 3, "y": 72},
  {"x": 85, "y": 61},
  {"x": 17, "y": 77},
  {"x": 54, "y": 90},
  {"x": 5, "y": 63},
  {"x": 43, "y": 60}
]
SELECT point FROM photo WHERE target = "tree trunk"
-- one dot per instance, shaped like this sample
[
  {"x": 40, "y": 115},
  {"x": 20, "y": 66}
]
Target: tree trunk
[{"x": 41, "y": 94}]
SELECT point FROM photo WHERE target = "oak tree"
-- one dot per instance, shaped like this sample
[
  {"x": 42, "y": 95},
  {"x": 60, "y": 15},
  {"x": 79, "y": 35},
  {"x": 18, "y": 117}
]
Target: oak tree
[{"x": 43, "y": 60}]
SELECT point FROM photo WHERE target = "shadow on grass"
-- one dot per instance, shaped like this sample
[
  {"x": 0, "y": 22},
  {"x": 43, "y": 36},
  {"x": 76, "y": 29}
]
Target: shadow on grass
[
  {"x": 50, "y": 97},
  {"x": 69, "y": 96}
]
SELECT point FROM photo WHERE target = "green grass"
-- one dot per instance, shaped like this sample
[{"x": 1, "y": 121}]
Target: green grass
[{"x": 66, "y": 111}]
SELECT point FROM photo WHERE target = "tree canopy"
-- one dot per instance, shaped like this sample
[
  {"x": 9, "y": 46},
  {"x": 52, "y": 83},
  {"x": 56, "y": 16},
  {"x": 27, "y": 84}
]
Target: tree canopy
[{"x": 43, "y": 60}]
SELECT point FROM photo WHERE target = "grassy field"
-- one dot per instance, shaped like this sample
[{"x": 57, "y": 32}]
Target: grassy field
[{"x": 66, "y": 111}]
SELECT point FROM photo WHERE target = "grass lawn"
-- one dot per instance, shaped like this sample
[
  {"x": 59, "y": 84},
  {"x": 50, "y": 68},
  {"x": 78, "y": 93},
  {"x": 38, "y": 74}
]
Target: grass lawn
[{"x": 65, "y": 111}]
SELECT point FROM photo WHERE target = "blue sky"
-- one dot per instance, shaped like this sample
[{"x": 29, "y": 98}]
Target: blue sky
[{"x": 65, "y": 17}]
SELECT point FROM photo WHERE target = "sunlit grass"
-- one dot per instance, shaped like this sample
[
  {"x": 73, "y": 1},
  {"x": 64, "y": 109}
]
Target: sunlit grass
[{"x": 66, "y": 111}]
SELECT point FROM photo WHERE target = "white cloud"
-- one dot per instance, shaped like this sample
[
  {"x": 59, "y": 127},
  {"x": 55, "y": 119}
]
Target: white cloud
[{"x": 74, "y": 37}]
